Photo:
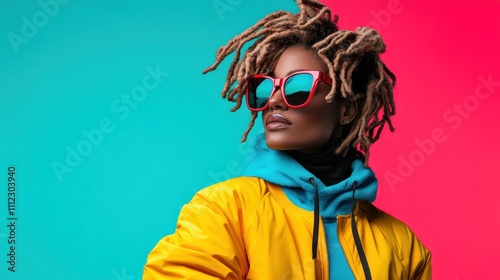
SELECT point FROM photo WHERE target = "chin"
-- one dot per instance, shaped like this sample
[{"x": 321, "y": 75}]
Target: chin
[
  {"x": 276, "y": 144},
  {"x": 284, "y": 142},
  {"x": 281, "y": 143}
]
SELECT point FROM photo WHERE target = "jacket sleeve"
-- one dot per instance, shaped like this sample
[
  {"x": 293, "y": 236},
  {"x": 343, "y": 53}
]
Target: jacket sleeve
[
  {"x": 207, "y": 243},
  {"x": 422, "y": 270},
  {"x": 415, "y": 255}
]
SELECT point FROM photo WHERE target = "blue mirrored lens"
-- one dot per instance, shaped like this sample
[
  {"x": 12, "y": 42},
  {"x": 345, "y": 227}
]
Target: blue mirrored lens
[
  {"x": 259, "y": 91},
  {"x": 297, "y": 88}
]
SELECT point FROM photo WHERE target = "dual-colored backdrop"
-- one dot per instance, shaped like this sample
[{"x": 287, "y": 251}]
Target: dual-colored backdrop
[{"x": 111, "y": 127}]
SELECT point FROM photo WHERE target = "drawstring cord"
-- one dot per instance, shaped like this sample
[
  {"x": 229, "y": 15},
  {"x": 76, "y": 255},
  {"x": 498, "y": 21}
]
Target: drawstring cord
[
  {"x": 355, "y": 233},
  {"x": 316, "y": 220},
  {"x": 357, "y": 240}
]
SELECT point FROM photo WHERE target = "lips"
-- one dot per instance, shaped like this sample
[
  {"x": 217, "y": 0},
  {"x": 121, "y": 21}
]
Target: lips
[{"x": 277, "y": 121}]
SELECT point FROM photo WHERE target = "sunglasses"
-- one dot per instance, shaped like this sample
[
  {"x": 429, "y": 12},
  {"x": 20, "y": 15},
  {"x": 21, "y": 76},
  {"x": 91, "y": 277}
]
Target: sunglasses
[{"x": 297, "y": 89}]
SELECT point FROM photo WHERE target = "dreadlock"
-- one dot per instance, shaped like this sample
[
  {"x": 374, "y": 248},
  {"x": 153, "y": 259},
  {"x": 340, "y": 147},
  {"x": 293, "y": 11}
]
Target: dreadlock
[{"x": 352, "y": 58}]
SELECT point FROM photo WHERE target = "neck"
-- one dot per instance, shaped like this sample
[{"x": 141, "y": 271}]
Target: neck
[{"x": 326, "y": 165}]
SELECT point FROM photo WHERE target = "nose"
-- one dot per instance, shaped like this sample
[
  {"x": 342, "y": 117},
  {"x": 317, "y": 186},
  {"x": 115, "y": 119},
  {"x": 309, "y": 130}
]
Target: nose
[{"x": 276, "y": 101}]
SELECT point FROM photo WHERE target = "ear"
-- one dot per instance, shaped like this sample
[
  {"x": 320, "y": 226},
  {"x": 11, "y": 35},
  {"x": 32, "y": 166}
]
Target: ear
[{"x": 348, "y": 111}]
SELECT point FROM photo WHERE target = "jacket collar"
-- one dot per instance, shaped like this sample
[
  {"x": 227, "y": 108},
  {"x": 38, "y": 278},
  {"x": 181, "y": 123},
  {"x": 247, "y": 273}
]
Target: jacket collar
[{"x": 279, "y": 168}]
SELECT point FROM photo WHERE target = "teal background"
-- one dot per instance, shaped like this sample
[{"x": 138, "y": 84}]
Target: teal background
[{"x": 102, "y": 214}]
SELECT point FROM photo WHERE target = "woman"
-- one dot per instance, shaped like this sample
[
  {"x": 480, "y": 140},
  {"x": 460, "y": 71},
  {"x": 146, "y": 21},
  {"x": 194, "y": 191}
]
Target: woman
[{"x": 302, "y": 209}]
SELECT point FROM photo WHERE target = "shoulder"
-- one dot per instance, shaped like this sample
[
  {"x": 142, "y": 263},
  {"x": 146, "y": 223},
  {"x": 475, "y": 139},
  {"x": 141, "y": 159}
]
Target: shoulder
[
  {"x": 249, "y": 186},
  {"x": 233, "y": 194},
  {"x": 395, "y": 232},
  {"x": 380, "y": 218}
]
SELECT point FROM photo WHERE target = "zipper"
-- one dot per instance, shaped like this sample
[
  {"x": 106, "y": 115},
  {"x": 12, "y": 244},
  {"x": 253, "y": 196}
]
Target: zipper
[
  {"x": 316, "y": 220},
  {"x": 323, "y": 253},
  {"x": 341, "y": 245}
]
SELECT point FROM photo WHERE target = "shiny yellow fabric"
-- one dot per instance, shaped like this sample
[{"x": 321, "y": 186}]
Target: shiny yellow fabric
[{"x": 246, "y": 228}]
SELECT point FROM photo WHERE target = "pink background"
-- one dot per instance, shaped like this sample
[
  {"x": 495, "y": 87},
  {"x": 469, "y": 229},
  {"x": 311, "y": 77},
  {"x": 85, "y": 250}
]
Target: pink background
[{"x": 439, "y": 170}]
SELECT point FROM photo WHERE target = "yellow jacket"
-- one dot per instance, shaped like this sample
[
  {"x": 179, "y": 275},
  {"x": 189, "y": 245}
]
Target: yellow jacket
[{"x": 247, "y": 228}]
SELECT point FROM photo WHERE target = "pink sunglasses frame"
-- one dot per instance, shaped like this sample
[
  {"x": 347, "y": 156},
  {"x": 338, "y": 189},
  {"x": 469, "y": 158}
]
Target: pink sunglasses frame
[{"x": 318, "y": 76}]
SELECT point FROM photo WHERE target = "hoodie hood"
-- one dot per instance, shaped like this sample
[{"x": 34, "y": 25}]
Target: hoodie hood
[{"x": 279, "y": 168}]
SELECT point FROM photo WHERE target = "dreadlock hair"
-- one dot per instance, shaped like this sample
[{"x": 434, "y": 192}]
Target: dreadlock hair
[{"x": 352, "y": 58}]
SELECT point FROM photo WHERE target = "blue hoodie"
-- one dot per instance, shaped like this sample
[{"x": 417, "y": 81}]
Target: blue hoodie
[{"x": 279, "y": 168}]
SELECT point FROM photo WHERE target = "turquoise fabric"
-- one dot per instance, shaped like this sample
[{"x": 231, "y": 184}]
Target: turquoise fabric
[{"x": 279, "y": 168}]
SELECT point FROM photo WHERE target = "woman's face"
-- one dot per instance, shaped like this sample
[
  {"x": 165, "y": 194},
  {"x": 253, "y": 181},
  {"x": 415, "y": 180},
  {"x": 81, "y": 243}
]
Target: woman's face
[{"x": 306, "y": 129}]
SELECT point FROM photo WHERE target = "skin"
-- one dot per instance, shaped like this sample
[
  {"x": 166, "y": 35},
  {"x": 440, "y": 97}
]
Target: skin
[{"x": 313, "y": 127}]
